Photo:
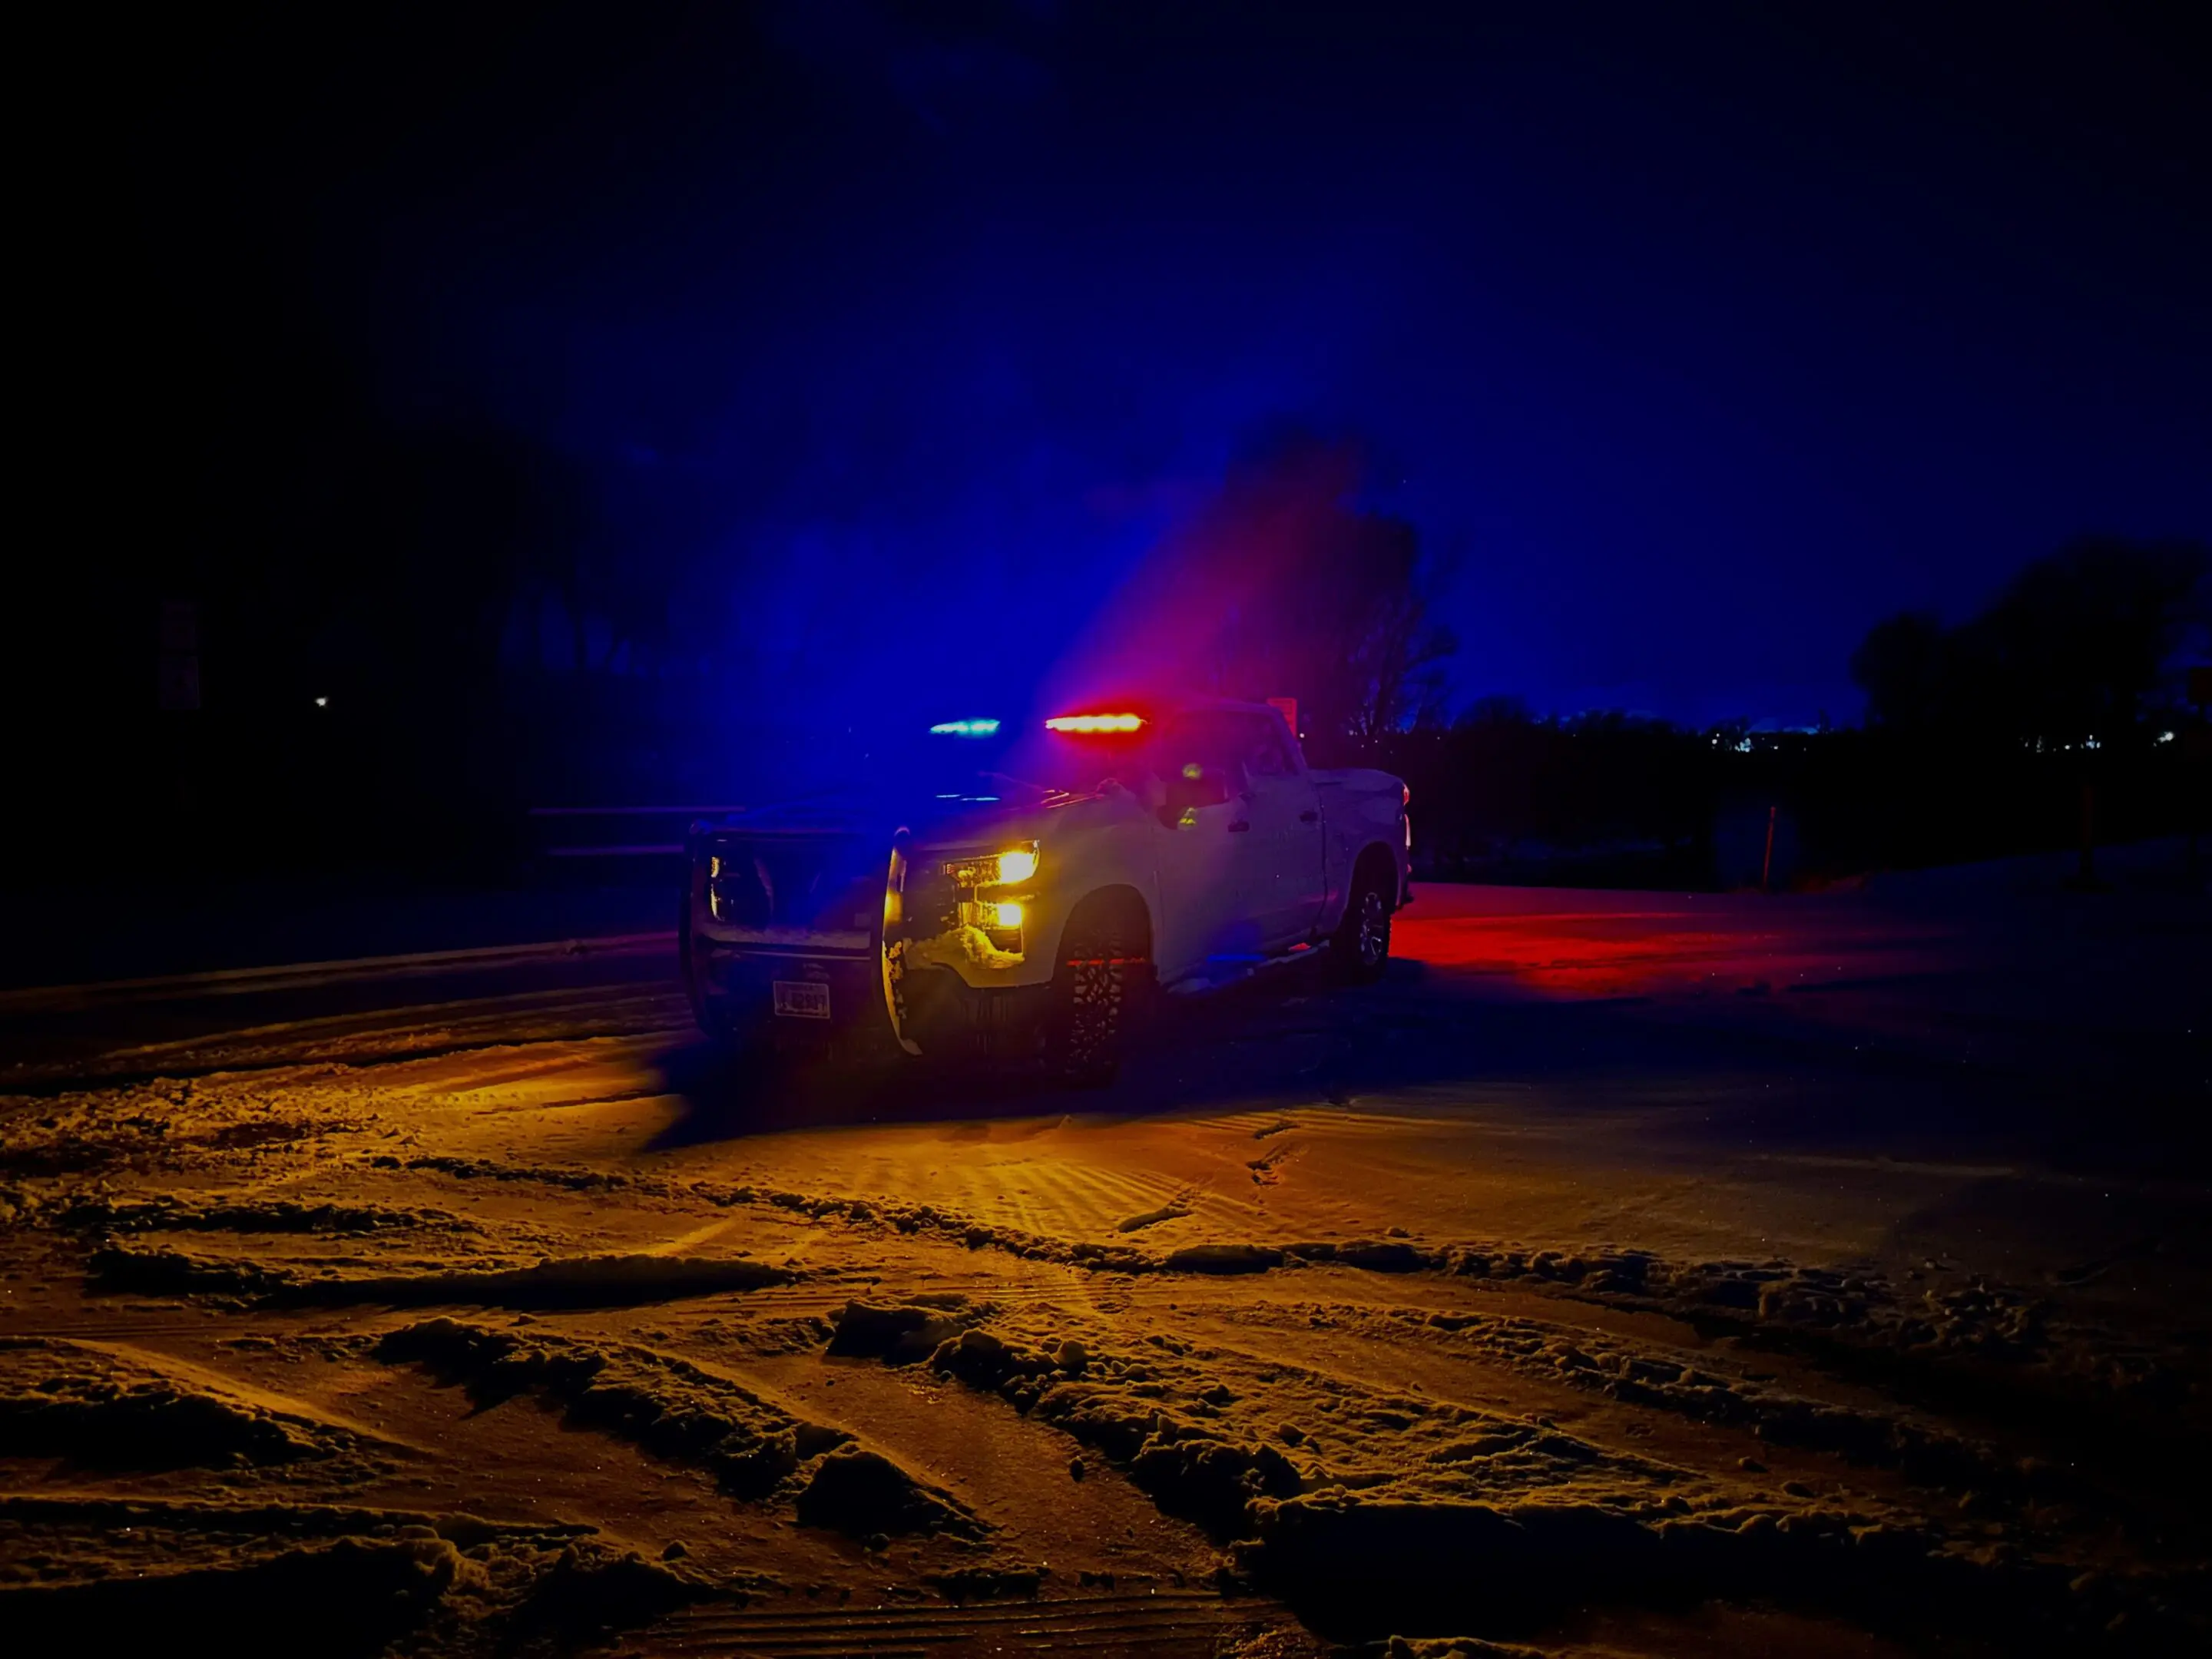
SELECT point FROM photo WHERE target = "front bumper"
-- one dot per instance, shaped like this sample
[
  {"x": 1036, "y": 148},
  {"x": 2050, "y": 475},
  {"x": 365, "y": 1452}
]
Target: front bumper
[
  {"x": 916, "y": 979},
  {"x": 734, "y": 993},
  {"x": 875, "y": 1003}
]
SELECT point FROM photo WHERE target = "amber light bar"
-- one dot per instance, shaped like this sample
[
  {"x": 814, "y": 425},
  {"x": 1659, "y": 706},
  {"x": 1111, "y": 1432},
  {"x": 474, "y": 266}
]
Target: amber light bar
[{"x": 1094, "y": 722}]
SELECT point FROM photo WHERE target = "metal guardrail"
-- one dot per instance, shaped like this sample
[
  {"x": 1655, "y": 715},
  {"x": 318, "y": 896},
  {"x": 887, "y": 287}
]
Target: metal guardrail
[
  {"x": 299, "y": 975},
  {"x": 625, "y": 819},
  {"x": 629, "y": 812}
]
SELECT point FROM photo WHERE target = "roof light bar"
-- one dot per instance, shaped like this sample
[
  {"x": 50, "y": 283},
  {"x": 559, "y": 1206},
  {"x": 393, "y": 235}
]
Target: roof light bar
[
  {"x": 1094, "y": 722},
  {"x": 964, "y": 729}
]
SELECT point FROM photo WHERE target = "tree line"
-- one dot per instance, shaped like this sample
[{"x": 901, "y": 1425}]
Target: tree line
[{"x": 1989, "y": 737}]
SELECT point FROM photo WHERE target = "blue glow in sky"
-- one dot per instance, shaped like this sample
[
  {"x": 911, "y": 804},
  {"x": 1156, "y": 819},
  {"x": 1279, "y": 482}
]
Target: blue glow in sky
[{"x": 1692, "y": 344}]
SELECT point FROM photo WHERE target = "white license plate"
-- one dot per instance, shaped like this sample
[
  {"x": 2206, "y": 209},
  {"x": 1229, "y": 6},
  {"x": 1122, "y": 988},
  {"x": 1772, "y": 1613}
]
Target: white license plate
[{"x": 801, "y": 999}]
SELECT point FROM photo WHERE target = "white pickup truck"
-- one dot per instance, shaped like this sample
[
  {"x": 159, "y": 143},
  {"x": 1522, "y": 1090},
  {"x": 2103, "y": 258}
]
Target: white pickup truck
[{"x": 1026, "y": 887}]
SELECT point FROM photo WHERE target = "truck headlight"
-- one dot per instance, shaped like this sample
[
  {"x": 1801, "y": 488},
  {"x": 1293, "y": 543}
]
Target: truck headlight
[
  {"x": 1000, "y": 869},
  {"x": 1008, "y": 916}
]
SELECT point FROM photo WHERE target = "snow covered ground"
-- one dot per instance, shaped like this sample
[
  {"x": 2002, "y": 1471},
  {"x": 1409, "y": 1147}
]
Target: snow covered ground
[{"x": 1627, "y": 1273}]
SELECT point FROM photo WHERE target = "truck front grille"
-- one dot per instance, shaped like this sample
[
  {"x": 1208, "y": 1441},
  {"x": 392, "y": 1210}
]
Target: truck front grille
[
  {"x": 933, "y": 903},
  {"x": 828, "y": 888}
]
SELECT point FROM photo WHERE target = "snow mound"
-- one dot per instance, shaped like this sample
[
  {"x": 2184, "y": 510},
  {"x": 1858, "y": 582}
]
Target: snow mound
[
  {"x": 902, "y": 1335},
  {"x": 988, "y": 1583},
  {"x": 671, "y": 1408},
  {"x": 1174, "y": 1210},
  {"x": 283, "y": 1579},
  {"x": 591, "y": 1590},
  {"x": 167, "y": 1213},
  {"x": 346, "y": 1597},
  {"x": 116, "y": 1409},
  {"x": 1222, "y": 1259},
  {"x": 604, "y": 1281},
  {"x": 1373, "y": 1512},
  {"x": 567, "y": 1177},
  {"x": 1371, "y": 1255},
  {"x": 862, "y": 1493}
]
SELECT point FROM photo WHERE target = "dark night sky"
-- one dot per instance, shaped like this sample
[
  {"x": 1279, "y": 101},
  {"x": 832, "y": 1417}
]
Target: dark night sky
[{"x": 1697, "y": 338}]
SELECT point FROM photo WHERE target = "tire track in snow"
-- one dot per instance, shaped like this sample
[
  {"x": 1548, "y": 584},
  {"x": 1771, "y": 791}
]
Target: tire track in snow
[{"x": 1167, "y": 1621}]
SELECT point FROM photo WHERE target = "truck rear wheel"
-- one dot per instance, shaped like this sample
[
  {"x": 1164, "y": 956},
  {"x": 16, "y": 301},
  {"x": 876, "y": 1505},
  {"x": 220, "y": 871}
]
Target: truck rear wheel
[
  {"x": 1361, "y": 948},
  {"x": 1105, "y": 970}
]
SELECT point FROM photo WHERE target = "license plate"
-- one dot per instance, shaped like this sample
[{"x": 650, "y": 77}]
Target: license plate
[{"x": 802, "y": 999}]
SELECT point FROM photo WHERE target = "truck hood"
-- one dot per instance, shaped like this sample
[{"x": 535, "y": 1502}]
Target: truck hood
[{"x": 932, "y": 822}]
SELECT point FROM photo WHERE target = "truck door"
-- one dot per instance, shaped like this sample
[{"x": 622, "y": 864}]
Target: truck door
[
  {"x": 1285, "y": 874},
  {"x": 1205, "y": 848}
]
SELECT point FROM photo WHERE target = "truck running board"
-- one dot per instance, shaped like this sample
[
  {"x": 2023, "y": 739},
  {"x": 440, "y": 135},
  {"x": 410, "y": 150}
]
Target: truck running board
[{"x": 1226, "y": 971}]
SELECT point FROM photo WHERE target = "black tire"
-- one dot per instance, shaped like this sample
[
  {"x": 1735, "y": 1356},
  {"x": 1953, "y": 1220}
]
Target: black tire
[
  {"x": 687, "y": 968},
  {"x": 1360, "y": 950},
  {"x": 1097, "y": 987}
]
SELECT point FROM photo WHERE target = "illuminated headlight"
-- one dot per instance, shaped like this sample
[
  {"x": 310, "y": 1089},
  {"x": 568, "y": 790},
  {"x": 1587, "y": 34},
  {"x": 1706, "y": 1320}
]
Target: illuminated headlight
[
  {"x": 1007, "y": 915},
  {"x": 1003, "y": 869}
]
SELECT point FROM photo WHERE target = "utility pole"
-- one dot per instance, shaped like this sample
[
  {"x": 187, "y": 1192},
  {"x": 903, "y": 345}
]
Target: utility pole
[
  {"x": 177, "y": 695},
  {"x": 2195, "y": 760},
  {"x": 2086, "y": 877}
]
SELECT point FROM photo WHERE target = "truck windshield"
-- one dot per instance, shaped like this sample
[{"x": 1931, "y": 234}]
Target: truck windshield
[{"x": 1024, "y": 762}]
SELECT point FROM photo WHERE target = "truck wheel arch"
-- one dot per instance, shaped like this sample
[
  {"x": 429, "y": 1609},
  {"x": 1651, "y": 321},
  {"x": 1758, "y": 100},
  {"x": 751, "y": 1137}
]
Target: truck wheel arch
[
  {"x": 1379, "y": 859},
  {"x": 1119, "y": 900}
]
